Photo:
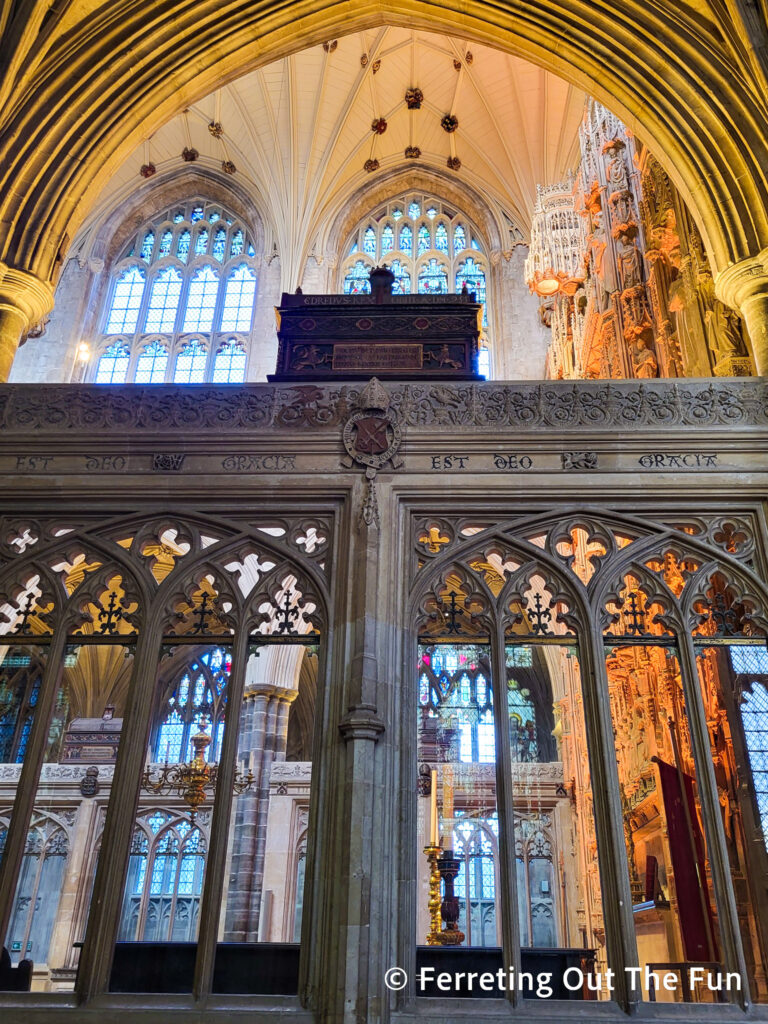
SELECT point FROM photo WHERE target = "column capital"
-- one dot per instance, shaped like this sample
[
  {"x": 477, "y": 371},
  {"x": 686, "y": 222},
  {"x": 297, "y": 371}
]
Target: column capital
[
  {"x": 288, "y": 694},
  {"x": 25, "y": 294},
  {"x": 743, "y": 280}
]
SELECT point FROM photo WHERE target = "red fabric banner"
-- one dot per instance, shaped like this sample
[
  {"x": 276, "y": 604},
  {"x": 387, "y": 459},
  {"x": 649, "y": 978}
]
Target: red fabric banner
[{"x": 686, "y": 844}]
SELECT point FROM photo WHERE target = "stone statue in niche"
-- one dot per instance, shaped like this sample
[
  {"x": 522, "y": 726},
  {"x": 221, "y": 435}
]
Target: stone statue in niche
[
  {"x": 643, "y": 360},
  {"x": 722, "y": 324},
  {"x": 630, "y": 266}
]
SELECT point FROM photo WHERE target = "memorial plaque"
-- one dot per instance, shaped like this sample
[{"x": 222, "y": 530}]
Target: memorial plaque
[{"x": 377, "y": 357}]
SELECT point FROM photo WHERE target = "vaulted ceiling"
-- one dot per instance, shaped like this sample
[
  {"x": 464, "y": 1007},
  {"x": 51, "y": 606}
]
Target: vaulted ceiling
[{"x": 299, "y": 130}]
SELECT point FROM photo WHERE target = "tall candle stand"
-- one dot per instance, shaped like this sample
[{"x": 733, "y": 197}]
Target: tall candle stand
[
  {"x": 449, "y": 868},
  {"x": 434, "y": 936}
]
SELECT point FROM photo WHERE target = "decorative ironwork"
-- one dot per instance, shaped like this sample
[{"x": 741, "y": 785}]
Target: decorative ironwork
[
  {"x": 110, "y": 616},
  {"x": 286, "y": 616},
  {"x": 727, "y": 619},
  {"x": 202, "y": 613},
  {"x": 452, "y": 611},
  {"x": 22, "y": 626},
  {"x": 194, "y": 779},
  {"x": 634, "y": 615},
  {"x": 540, "y": 616}
]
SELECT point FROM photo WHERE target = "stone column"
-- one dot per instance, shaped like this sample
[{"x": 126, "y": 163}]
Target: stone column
[
  {"x": 263, "y": 741},
  {"x": 25, "y": 300},
  {"x": 744, "y": 286}
]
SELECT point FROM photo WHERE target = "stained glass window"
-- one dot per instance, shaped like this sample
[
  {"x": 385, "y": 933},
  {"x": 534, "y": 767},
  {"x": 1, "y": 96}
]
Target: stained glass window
[
  {"x": 473, "y": 276},
  {"x": 126, "y": 302},
  {"x": 163, "y": 302},
  {"x": 236, "y": 246},
  {"x": 148, "y": 246},
  {"x": 150, "y": 368},
  {"x": 165, "y": 245},
  {"x": 219, "y": 245},
  {"x": 20, "y": 678},
  {"x": 178, "y": 217},
  {"x": 164, "y": 884},
  {"x": 380, "y": 236},
  {"x": 754, "y": 715},
  {"x": 201, "y": 242},
  {"x": 402, "y": 285},
  {"x": 182, "y": 246},
  {"x": 201, "y": 302},
  {"x": 190, "y": 364},
  {"x": 474, "y": 844},
  {"x": 113, "y": 365},
  {"x": 238, "y": 300},
  {"x": 356, "y": 281},
  {"x": 197, "y": 701},
  {"x": 229, "y": 364},
  {"x": 197, "y": 214},
  {"x": 433, "y": 278}
]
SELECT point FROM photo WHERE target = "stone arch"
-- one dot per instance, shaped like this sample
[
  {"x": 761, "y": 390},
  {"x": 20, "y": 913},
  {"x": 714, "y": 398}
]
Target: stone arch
[
  {"x": 80, "y": 102},
  {"x": 385, "y": 187}
]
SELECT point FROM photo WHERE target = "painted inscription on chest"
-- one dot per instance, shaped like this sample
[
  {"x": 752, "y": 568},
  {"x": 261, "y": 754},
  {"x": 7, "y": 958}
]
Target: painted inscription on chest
[{"x": 377, "y": 357}]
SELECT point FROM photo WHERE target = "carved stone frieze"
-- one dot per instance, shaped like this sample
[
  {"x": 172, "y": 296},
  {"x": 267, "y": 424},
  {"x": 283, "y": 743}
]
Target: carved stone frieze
[{"x": 66, "y": 410}]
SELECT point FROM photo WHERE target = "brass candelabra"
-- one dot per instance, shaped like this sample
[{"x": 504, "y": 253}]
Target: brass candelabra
[{"x": 192, "y": 780}]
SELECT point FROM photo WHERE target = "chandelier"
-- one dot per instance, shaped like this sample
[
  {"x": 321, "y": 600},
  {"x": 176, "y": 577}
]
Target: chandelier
[
  {"x": 555, "y": 262},
  {"x": 194, "y": 779}
]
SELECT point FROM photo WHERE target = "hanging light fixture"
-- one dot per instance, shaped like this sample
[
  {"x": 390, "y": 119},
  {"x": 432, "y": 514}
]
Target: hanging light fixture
[{"x": 195, "y": 779}]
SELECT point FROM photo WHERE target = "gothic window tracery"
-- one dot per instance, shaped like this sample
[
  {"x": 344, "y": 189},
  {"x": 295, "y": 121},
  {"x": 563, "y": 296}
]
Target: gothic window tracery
[
  {"x": 195, "y": 272},
  {"x": 165, "y": 880},
  {"x": 198, "y": 693},
  {"x": 424, "y": 241}
]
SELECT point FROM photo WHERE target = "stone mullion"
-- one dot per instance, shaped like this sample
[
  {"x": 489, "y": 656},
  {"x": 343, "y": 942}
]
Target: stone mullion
[
  {"x": 353, "y": 987},
  {"x": 621, "y": 944},
  {"x": 510, "y": 926},
  {"x": 26, "y": 788},
  {"x": 216, "y": 860},
  {"x": 732, "y": 951},
  {"x": 112, "y": 868}
]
